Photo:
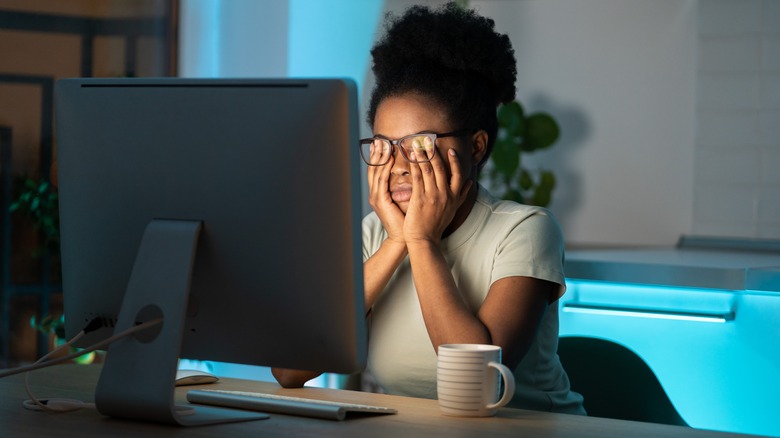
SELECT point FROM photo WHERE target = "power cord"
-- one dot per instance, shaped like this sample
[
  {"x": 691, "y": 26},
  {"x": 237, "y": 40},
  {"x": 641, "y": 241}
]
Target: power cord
[
  {"x": 66, "y": 405},
  {"x": 54, "y": 405}
]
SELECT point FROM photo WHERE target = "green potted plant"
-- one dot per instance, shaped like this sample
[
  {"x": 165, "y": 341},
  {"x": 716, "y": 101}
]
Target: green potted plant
[
  {"x": 520, "y": 133},
  {"x": 54, "y": 327},
  {"x": 38, "y": 199}
]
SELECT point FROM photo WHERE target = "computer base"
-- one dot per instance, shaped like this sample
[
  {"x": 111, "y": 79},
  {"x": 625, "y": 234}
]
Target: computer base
[{"x": 137, "y": 380}]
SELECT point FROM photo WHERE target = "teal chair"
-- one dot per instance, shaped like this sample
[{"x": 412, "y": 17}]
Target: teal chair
[{"x": 615, "y": 381}]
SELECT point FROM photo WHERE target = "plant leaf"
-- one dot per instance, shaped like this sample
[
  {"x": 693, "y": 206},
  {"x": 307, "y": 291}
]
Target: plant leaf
[
  {"x": 542, "y": 196},
  {"x": 506, "y": 157},
  {"x": 526, "y": 181},
  {"x": 511, "y": 118},
  {"x": 541, "y": 133},
  {"x": 547, "y": 180}
]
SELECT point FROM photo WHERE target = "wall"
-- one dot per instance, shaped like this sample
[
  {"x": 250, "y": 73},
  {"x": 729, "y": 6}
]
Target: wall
[
  {"x": 669, "y": 109},
  {"x": 277, "y": 38},
  {"x": 737, "y": 152},
  {"x": 619, "y": 75},
  {"x": 239, "y": 38}
]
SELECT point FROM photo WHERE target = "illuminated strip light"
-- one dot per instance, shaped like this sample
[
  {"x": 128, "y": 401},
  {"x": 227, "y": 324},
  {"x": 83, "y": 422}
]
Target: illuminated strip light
[{"x": 592, "y": 309}]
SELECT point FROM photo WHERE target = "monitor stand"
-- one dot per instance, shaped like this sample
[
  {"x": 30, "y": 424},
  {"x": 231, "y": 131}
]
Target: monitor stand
[{"x": 137, "y": 380}]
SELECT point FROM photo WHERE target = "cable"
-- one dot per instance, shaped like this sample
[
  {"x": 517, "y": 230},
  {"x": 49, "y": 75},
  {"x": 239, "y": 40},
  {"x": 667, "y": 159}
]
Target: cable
[
  {"x": 97, "y": 346},
  {"x": 54, "y": 405},
  {"x": 67, "y": 405}
]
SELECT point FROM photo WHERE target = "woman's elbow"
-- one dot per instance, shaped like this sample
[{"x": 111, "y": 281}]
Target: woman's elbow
[{"x": 292, "y": 378}]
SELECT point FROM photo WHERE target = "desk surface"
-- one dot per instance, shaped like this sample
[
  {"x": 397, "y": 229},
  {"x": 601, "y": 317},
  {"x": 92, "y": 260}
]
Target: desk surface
[{"x": 416, "y": 417}]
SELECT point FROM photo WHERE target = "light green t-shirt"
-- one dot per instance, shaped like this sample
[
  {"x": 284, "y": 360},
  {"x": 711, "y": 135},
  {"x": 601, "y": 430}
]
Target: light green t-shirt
[{"x": 498, "y": 239}]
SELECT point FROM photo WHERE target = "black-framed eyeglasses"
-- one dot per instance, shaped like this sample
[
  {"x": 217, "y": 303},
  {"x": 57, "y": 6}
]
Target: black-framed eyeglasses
[{"x": 415, "y": 148}]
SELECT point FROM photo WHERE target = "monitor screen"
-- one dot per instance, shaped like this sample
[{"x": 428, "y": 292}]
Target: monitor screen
[{"x": 270, "y": 172}]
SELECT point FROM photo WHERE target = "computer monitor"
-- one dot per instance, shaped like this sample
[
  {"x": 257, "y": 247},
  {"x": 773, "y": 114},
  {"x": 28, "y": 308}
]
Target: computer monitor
[{"x": 229, "y": 207}]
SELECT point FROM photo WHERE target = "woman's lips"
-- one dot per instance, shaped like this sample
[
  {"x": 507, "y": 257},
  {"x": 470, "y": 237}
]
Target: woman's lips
[{"x": 402, "y": 193}]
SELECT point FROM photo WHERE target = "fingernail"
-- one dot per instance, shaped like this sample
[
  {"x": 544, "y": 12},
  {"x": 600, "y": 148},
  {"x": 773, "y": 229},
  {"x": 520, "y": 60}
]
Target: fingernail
[{"x": 451, "y": 152}]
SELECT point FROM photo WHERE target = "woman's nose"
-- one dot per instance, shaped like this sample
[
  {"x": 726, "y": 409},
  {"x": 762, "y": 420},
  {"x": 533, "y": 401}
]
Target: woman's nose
[{"x": 400, "y": 165}]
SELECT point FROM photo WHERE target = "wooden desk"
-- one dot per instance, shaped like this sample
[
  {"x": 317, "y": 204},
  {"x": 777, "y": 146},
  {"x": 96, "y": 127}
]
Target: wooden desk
[{"x": 415, "y": 418}]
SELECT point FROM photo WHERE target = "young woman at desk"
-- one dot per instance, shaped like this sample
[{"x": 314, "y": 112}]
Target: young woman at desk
[{"x": 444, "y": 261}]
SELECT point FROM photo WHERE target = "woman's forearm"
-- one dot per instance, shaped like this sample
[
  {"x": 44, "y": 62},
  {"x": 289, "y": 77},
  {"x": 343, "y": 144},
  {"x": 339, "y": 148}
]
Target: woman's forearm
[
  {"x": 379, "y": 268},
  {"x": 447, "y": 318}
]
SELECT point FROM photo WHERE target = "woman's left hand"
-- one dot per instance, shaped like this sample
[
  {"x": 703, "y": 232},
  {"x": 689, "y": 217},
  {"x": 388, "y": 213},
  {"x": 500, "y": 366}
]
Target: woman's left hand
[{"x": 435, "y": 195}]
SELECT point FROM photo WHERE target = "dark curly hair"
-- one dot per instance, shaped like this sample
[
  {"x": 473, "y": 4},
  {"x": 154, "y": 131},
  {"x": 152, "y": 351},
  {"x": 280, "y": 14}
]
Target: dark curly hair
[{"x": 453, "y": 57}]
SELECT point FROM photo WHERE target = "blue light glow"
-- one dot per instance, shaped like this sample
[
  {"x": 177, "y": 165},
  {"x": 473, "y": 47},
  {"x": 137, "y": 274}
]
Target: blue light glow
[
  {"x": 637, "y": 313},
  {"x": 718, "y": 376},
  {"x": 332, "y": 38}
]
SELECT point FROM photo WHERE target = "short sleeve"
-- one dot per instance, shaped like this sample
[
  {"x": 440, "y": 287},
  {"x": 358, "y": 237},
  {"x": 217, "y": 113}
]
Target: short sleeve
[
  {"x": 373, "y": 235},
  {"x": 532, "y": 248}
]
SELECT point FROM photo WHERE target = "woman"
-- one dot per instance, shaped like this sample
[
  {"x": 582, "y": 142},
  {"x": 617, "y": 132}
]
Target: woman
[{"x": 445, "y": 262}]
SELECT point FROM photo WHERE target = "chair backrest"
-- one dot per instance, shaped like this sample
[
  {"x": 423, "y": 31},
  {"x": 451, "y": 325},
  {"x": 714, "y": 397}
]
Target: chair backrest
[{"x": 615, "y": 381}]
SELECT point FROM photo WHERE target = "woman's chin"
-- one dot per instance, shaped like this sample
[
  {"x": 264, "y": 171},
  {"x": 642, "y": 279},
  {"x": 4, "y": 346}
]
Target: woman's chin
[{"x": 402, "y": 205}]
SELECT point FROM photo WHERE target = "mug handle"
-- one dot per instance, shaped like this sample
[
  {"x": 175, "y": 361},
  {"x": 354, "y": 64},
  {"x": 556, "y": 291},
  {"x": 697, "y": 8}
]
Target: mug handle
[{"x": 509, "y": 384}]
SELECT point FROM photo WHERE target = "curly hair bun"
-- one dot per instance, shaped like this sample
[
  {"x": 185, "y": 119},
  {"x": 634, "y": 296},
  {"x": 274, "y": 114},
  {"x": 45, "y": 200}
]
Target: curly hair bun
[{"x": 450, "y": 40}]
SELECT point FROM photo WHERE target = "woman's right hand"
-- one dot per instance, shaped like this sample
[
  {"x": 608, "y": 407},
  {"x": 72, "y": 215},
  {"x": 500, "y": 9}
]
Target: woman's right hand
[
  {"x": 379, "y": 268},
  {"x": 382, "y": 202}
]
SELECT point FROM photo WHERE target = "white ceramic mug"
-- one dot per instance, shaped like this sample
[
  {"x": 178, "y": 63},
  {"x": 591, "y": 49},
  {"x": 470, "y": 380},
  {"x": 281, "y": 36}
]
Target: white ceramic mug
[{"x": 468, "y": 381}]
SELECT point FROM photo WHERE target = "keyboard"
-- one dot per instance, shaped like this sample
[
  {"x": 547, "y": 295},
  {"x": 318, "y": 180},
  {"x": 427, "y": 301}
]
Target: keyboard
[{"x": 282, "y": 404}]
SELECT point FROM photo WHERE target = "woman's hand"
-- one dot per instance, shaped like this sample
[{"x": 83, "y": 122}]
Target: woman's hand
[
  {"x": 382, "y": 202},
  {"x": 435, "y": 195}
]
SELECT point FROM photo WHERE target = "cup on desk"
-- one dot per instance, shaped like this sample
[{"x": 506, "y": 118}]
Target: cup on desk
[{"x": 468, "y": 380}]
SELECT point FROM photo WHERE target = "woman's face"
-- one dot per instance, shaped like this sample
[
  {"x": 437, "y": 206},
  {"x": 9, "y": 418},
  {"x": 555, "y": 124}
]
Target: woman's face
[{"x": 407, "y": 114}]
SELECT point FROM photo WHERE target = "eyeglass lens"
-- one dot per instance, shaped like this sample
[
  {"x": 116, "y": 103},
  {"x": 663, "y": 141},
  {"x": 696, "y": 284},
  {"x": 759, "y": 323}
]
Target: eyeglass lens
[{"x": 416, "y": 148}]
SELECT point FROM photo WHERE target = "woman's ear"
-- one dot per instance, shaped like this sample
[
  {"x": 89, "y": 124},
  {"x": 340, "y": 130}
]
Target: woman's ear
[{"x": 480, "y": 142}]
